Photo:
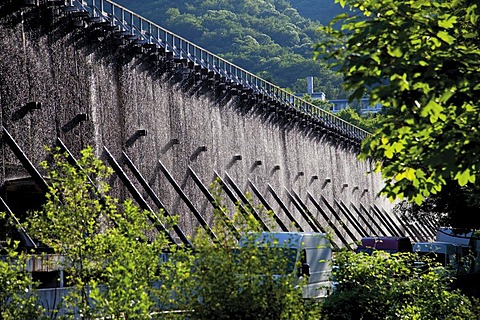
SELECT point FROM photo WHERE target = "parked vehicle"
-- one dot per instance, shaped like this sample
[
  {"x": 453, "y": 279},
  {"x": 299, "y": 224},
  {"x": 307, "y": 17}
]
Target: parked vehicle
[
  {"x": 309, "y": 254},
  {"x": 388, "y": 244},
  {"x": 454, "y": 257},
  {"x": 469, "y": 243}
]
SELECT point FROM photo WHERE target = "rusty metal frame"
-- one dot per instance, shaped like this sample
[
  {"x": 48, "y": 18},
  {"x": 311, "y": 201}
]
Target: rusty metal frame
[
  {"x": 136, "y": 194},
  {"x": 156, "y": 200},
  {"x": 267, "y": 205},
  {"x": 213, "y": 202},
  {"x": 187, "y": 201},
  {"x": 337, "y": 216},
  {"x": 284, "y": 208}
]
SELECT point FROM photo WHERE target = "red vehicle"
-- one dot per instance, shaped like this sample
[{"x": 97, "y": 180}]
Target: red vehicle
[{"x": 387, "y": 244}]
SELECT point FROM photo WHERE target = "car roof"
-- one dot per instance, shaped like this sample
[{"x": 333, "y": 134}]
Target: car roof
[{"x": 383, "y": 242}]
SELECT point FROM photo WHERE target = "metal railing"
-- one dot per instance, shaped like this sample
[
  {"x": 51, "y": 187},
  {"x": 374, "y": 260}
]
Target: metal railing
[{"x": 142, "y": 31}]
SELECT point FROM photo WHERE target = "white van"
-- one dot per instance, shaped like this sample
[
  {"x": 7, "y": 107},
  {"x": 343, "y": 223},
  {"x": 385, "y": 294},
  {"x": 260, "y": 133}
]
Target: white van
[{"x": 310, "y": 253}]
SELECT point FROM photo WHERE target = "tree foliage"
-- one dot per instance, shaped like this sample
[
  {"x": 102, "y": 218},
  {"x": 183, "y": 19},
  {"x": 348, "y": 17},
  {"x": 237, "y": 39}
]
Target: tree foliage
[
  {"x": 419, "y": 59},
  {"x": 266, "y": 37},
  {"x": 17, "y": 300},
  {"x": 109, "y": 261},
  {"x": 117, "y": 268},
  {"x": 251, "y": 281},
  {"x": 369, "y": 122},
  {"x": 384, "y": 286},
  {"x": 454, "y": 206},
  {"x": 318, "y": 10}
]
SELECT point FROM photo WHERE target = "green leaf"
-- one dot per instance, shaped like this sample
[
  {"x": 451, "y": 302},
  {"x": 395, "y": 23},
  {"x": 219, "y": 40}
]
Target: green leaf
[
  {"x": 395, "y": 51},
  {"x": 448, "y": 23},
  {"x": 341, "y": 2},
  {"x": 445, "y": 36},
  {"x": 464, "y": 177},
  {"x": 431, "y": 108},
  {"x": 420, "y": 3}
]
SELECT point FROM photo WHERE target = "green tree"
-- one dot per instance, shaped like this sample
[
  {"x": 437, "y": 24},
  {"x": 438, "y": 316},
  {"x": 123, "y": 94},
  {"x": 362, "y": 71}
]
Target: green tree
[
  {"x": 384, "y": 286},
  {"x": 266, "y": 37},
  {"x": 112, "y": 257},
  {"x": 110, "y": 252},
  {"x": 419, "y": 59},
  {"x": 17, "y": 300},
  {"x": 368, "y": 122},
  {"x": 228, "y": 282},
  {"x": 185, "y": 23},
  {"x": 318, "y": 10},
  {"x": 454, "y": 206}
]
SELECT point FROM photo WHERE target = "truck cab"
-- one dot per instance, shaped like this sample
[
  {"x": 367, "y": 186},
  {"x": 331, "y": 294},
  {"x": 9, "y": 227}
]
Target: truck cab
[
  {"x": 387, "y": 244},
  {"x": 309, "y": 254},
  {"x": 449, "y": 255}
]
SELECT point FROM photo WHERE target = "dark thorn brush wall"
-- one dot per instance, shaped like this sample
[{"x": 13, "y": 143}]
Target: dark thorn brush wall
[{"x": 74, "y": 73}]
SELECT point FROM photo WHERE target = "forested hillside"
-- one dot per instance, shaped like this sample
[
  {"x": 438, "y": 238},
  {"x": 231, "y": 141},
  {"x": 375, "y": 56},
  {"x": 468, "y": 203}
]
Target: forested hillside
[
  {"x": 317, "y": 10},
  {"x": 267, "y": 37}
]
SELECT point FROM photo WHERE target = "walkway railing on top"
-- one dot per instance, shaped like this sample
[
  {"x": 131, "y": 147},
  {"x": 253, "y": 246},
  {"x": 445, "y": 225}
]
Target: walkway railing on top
[{"x": 142, "y": 31}]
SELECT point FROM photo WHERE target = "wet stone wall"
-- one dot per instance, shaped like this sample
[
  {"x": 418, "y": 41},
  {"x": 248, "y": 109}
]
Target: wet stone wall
[{"x": 94, "y": 92}]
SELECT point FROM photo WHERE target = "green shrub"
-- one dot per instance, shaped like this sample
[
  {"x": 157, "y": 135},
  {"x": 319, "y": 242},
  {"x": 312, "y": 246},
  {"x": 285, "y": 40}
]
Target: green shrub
[
  {"x": 108, "y": 257},
  {"x": 112, "y": 257},
  {"x": 384, "y": 286},
  {"x": 16, "y": 287},
  {"x": 229, "y": 282}
]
